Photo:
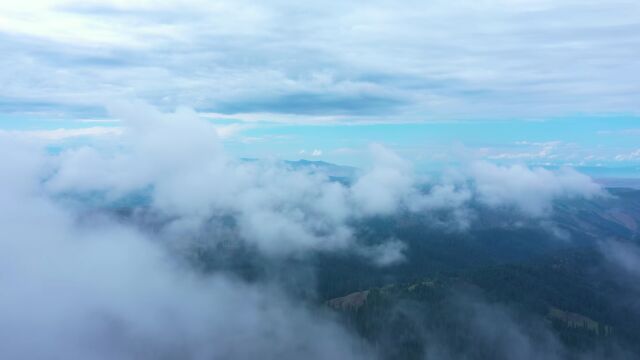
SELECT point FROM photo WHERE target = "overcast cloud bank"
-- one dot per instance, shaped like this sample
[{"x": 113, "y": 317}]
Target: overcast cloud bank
[{"x": 341, "y": 61}]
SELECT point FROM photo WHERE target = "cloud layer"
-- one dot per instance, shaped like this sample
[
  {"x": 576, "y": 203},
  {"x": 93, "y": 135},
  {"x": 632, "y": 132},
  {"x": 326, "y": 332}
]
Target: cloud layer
[
  {"x": 91, "y": 288},
  {"x": 178, "y": 160},
  {"x": 339, "y": 61},
  {"x": 84, "y": 284}
]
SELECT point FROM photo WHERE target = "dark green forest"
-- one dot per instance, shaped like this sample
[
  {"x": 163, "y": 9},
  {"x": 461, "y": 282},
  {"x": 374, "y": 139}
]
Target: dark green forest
[{"x": 506, "y": 287}]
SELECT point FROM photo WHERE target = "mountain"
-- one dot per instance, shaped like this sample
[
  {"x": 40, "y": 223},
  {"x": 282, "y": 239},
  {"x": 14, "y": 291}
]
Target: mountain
[
  {"x": 560, "y": 293},
  {"x": 331, "y": 170},
  {"x": 559, "y": 297}
]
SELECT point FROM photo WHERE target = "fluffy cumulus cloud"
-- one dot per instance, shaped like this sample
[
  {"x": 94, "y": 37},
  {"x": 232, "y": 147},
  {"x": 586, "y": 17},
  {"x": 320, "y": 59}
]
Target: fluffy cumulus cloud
[
  {"x": 179, "y": 159},
  {"x": 532, "y": 191},
  {"x": 95, "y": 289},
  {"x": 388, "y": 180}
]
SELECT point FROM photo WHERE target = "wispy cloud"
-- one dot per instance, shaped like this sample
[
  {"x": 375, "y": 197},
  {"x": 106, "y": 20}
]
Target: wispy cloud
[
  {"x": 623, "y": 132},
  {"x": 634, "y": 155},
  {"x": 61, "y": 134}
]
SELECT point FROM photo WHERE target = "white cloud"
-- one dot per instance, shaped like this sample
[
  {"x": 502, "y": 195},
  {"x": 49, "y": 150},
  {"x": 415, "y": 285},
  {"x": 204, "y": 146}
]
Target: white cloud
[
  {"x": 82, "y": 288},
  {"x": 623, "y": 132},
  {"x": 60, "y": 134},
  {"x": 634, "y": 155},
  {"x": 316, "y": 152},
  {"x": 380, "y": 189},
  {"x": 388, "y": 253},
  {"x": 178, "y": 158},
  {"x": 231, "y": 130},
  {"x": 540, "y": 151},
  {"x": 357, "y": 62},
  {"x": 530, "y": 190}
]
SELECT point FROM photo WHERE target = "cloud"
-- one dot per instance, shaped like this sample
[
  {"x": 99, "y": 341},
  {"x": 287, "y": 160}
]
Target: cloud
[
  {"x": 531, "y": 191},
  {"x": 625, "y": 256},
  {"x": 623, "y": 132},
  {"x": 177, "y": 159},
  {"x": 622, "y": 266},
  {"x": 500, "y": 333},
  {"x": 62, "y": 134},
  {"x": 631, "y": 156},
  {"x": 88, "y": 287},
  {"x": 389, "y": 180},
  {"x": 316, "y": 152},
  {"x": 373, "y": 62},
  {"x": 231, "y": 130},
  {"x": 466, "y": 323},
  {"x": 95, "y": 289},
  {"x": 545, "y": 150},
  {"x": 390, "y": 252}
]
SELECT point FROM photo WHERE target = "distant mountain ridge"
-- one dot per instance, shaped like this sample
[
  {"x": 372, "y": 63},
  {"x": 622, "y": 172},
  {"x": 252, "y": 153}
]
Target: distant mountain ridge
[{"x": 327, "y": 168}]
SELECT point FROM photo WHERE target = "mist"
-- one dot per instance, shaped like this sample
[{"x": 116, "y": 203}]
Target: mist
[
  {"x": 336, "y": 180},
  {"x": 80, "y": 282}
]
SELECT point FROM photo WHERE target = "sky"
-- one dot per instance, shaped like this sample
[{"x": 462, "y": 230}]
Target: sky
[{"x": 548, "y": 83}]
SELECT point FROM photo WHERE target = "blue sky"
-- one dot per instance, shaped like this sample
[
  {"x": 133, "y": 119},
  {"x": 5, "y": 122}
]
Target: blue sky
[{"x": 536, "y": 81}]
